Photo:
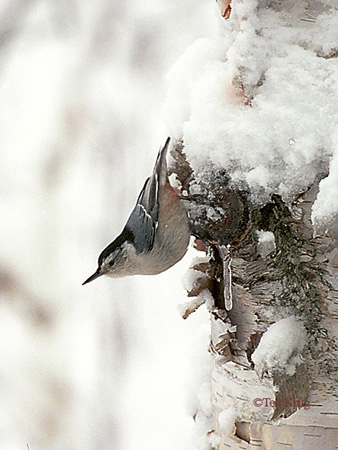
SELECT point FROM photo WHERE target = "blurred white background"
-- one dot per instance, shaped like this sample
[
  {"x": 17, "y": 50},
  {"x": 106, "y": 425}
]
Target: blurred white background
[{"x": 107, "y": 365}]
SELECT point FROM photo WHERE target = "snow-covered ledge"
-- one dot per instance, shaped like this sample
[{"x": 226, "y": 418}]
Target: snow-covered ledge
[{"x": 254, "y": 110}]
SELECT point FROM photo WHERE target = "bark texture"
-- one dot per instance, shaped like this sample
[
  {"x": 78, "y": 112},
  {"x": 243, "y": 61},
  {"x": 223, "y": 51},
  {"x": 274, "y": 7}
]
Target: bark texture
[
  {"x": 265, "y": 406},
  {"x": 298, "y": 278},
  {"x": 273, "y": 409}
]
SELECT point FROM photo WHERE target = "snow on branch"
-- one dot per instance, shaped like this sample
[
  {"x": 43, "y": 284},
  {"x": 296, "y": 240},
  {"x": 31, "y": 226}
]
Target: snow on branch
[
  {"x": 259, "y": 99},
  {"x": 280, "y": 347}
]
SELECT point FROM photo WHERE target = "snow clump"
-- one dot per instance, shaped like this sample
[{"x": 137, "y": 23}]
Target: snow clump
[{"x": 259, "y": 99}]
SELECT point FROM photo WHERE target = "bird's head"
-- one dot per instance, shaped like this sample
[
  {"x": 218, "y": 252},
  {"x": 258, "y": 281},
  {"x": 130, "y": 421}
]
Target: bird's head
[{"x": 115, "y": 260}]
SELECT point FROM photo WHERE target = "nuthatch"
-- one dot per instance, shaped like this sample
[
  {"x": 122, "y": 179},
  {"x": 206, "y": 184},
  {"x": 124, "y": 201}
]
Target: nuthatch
[{"x": 157, "y": 233}]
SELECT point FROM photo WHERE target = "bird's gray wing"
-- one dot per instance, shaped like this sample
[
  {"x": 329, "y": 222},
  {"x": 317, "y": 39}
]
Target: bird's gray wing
[{"x": 142, "y": 221}]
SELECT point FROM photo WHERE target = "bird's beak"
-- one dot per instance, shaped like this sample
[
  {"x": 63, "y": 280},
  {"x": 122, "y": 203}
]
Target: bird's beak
[{"x": 93, "y": 277}]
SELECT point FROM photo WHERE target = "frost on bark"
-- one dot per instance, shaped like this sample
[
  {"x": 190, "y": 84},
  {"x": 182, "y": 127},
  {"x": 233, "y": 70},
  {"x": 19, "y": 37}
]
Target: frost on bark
[{"x": 273, "y": 277}]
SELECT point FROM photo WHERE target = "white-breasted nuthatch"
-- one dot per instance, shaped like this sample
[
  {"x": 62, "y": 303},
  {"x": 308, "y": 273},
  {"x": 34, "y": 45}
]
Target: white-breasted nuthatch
[{"x": 157, "y": 233}]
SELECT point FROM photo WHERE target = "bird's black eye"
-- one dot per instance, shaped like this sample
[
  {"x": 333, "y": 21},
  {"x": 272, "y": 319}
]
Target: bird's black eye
[{"x": 111, "y": 263}]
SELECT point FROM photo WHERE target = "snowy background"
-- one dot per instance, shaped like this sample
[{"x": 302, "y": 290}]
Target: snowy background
[
  {"x": 109, "y": 365},
  {"x": 84, "y": 107}
]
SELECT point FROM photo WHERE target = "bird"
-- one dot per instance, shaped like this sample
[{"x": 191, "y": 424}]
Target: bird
[{"x": 157, "y": 233}]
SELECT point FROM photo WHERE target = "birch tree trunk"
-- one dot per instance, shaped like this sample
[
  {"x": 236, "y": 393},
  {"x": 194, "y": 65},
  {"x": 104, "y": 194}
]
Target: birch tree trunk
[
  {"x": 274, "y": 326},
  {"x": 297, "y": 279}
]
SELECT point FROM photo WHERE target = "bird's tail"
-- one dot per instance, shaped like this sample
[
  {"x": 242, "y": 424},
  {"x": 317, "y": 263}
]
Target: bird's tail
[
  {"x": 160, "y": 169},
  {"x": 148, "y": 197}
]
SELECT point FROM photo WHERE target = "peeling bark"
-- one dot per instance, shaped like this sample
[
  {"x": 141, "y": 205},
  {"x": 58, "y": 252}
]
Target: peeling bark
[
  {"x": 298, "y": 279},
  {"x": 275, "y": 408}
]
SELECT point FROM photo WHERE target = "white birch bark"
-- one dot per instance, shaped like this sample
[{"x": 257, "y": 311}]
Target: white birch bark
[
  {"x": 263, "y": 400},
  {"x": 236, "y": 385},
  {"x": 248, "y": 395}
]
